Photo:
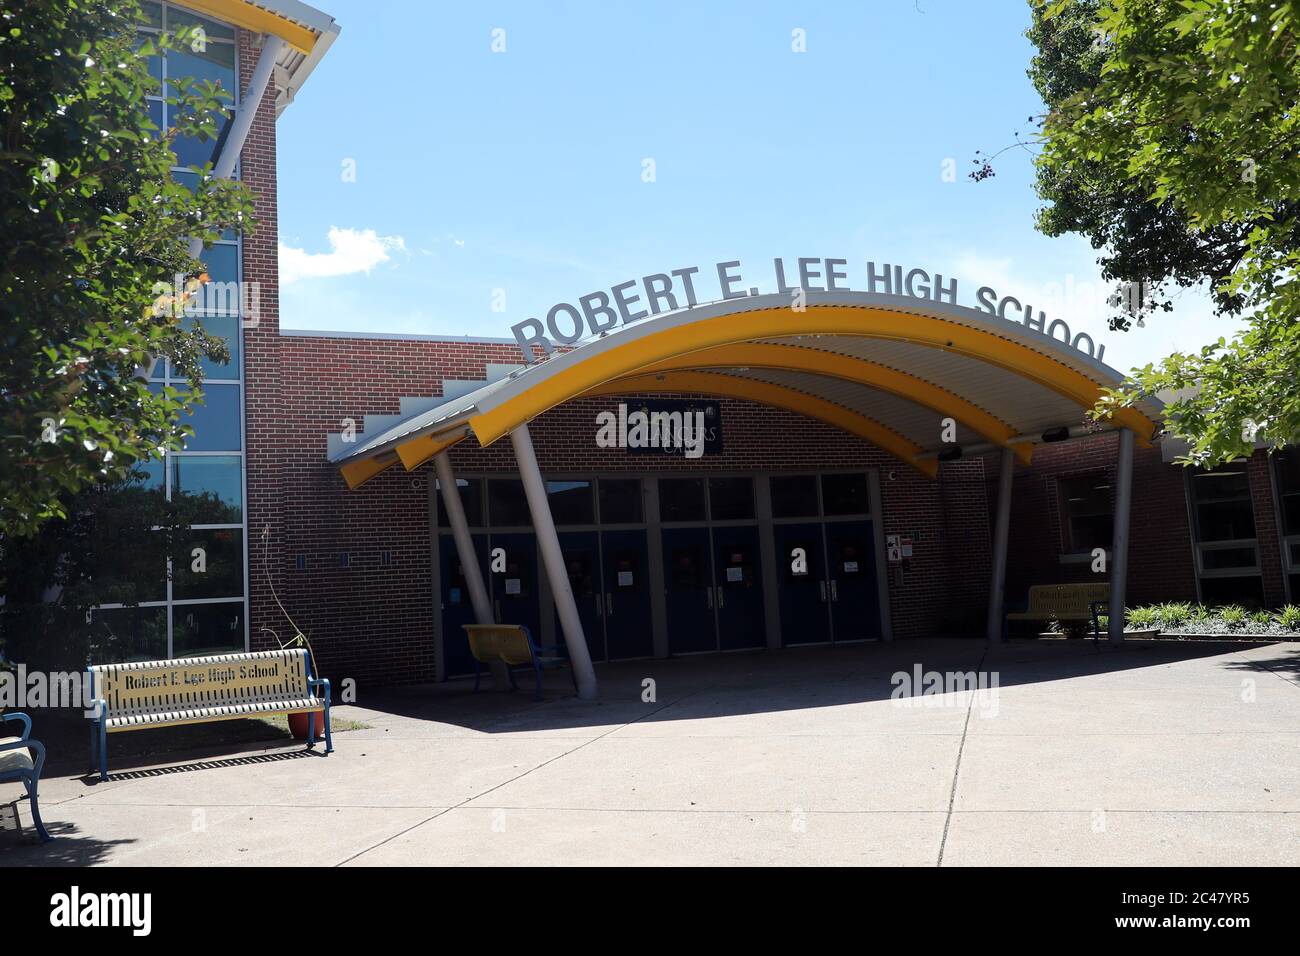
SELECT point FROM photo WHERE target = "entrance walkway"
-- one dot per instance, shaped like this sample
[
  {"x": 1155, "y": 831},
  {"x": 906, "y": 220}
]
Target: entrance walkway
[{"x": 1151, "y": 753}]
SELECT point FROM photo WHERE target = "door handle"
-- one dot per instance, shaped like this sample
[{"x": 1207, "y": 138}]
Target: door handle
[
  {"x": 721, "y": 602},
  {"x": 835, "y": 593},
  {"x": 496, "y": 606},
  {"x": 609, "y": 603},
  {"x": 822, "y": 586},
  {"x": 708, "y": 595}
]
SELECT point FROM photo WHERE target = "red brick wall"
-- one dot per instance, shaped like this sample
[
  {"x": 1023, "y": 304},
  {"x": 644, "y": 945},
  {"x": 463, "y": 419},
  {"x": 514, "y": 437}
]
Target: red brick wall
[
  {"x": 1266, "y": 529},
  {"x": 265, "y": 424},
  {"x": 375, "y": 623},
  {"x": 1160, "y": 550}
]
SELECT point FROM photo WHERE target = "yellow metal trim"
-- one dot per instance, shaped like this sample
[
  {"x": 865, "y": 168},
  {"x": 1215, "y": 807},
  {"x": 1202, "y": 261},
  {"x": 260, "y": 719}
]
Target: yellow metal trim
[
  {"x": 739, "y": 327},
  {"x": 254, "y": 18},
  {"x": 417, "y": 451},
  {"x": 357, "y": 473},
  {"x": 765, "y": 393},
  {"x": 799, "y": 358}
]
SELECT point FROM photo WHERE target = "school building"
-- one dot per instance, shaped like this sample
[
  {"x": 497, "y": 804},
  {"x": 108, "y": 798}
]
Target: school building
[{"x": 872, "y": 465}]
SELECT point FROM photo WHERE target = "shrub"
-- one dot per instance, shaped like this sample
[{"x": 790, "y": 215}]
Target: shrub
[
  {"x": 1174, "y": 613},
  {"x": 1233, "y": 615},
  {"x": 1289, "y": 617},
  {"x": 1142, "y": 617}
]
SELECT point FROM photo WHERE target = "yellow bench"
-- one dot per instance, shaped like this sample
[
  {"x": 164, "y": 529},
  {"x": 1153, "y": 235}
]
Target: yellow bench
[
  {"x": 512, "y": 645},
  {"x": 195, "y": 690},
  {"x": 1063, "y": 602}
]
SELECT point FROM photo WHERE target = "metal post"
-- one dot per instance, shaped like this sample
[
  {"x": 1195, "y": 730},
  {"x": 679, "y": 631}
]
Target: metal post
[
  {"x": 478, "y": 595},
  {"x": 243, "y": 119},
  {"x": 553, "y": 558},
  {"x": 1001, "y": 529},
  {"x": 1119, "y": 543},
  {"x": 455, "y": 509}
]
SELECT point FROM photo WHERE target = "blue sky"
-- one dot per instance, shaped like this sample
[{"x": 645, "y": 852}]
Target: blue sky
[{"x": 522, "y": 170}]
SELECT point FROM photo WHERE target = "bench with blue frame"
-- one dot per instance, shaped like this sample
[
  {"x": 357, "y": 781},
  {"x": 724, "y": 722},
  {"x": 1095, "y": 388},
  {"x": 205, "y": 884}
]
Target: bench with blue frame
[
  {"x": 513, "y": 646},
  {"x": 1061, "y": 602},
  {"x": 21, "y": 760},
  {"x": 195, "y": 690}
]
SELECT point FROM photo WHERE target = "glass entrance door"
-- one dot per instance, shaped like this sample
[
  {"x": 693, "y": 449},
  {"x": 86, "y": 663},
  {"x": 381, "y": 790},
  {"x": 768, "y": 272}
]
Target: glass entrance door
[
  {"x": 629, "y": 631},
  {"x": 805, "y": 586},
  {"x": 738, "y": 588},
  {"x": 688, "y": 586},
  {"x": 514, "y": 580},
  {"x": 854, "y": 601},
  {"x": 582, "y": 564}
]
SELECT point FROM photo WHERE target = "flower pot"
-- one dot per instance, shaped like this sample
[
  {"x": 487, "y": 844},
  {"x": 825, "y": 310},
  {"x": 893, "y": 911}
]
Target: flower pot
[{"x": 298, "y": 725}]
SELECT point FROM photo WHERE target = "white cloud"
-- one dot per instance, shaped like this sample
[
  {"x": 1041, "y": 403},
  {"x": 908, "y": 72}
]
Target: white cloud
[{"x": 351, "y": 251}]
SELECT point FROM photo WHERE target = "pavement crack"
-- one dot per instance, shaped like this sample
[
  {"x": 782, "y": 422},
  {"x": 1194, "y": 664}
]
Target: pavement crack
[
  {"x": 956, "y": 770},
  {"x": 519, "y": 776}
]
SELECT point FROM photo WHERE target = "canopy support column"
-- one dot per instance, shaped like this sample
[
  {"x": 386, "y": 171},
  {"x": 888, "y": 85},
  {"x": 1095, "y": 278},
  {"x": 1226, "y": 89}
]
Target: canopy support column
[
  {"x": 242, "y": 122},
  {"x": 553, "y": 558},
  {"x": 1119, "y": 543},
  {"x": 478, "y": 595},
  {"x": 1001, "y": 530}
]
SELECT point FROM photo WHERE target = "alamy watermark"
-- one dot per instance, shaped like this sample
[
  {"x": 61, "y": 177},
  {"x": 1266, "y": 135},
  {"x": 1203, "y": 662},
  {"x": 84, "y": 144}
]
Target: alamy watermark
[
  {"x": 922, "y": 688},
  {"x": 198, "y": 297},
  {"x": 22, "y": 689},
  {"x": 672, "y": 431}
]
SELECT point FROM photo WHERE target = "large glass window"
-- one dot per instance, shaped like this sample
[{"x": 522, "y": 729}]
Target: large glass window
[
  {"x": 1221, "y": 498},
  {"x": 845, "y": 494},
  {"x": 1087, "y": 518},
  {"x": 794, "y": 496},
  {"x": 681, "y": 499},
  {"x": 217, "y": 423},
  {"x": 214, "y": 628},
  {"x": 471, "y": 499},
  {"x": 129, "y": 633},
  {"x": 620, "y": 500},
  {"x": 212, "y": 486},
  {"x": 209, "y": 563},
  {"x": 206, "y": 562},
  {"x": 1223, "y": 520},
  {"x": 731, "y": 499},
  {"x": 571, "y": 502},
  {"x": 507, "y": 503}
]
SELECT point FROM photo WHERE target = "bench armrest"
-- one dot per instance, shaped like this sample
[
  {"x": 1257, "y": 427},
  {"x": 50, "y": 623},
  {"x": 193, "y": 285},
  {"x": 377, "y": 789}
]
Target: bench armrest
[
  {"x": 27, "y": 722},
  {"x": 35, "y": 749},
  {"x": 320, "y": 682}
]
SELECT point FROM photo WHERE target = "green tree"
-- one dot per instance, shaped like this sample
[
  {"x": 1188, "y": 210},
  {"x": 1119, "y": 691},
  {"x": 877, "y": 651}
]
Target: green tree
[
  {"x": 111, "y": 548},
  {"x": 1171, "y": 141},
  {"x": 93, "y": 229}
]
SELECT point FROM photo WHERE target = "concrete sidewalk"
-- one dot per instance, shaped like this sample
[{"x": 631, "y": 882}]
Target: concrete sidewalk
[{"x": 1153, "y": 753}]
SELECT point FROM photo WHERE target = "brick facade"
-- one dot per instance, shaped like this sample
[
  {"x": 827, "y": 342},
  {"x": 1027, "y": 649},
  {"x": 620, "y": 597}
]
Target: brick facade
[{"x": 375, "y": 622}]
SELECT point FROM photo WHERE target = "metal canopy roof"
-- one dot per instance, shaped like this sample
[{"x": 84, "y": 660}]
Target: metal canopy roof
[
  {"x": 887, "y": 368},
  {"x": 306, "y": 31}
]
